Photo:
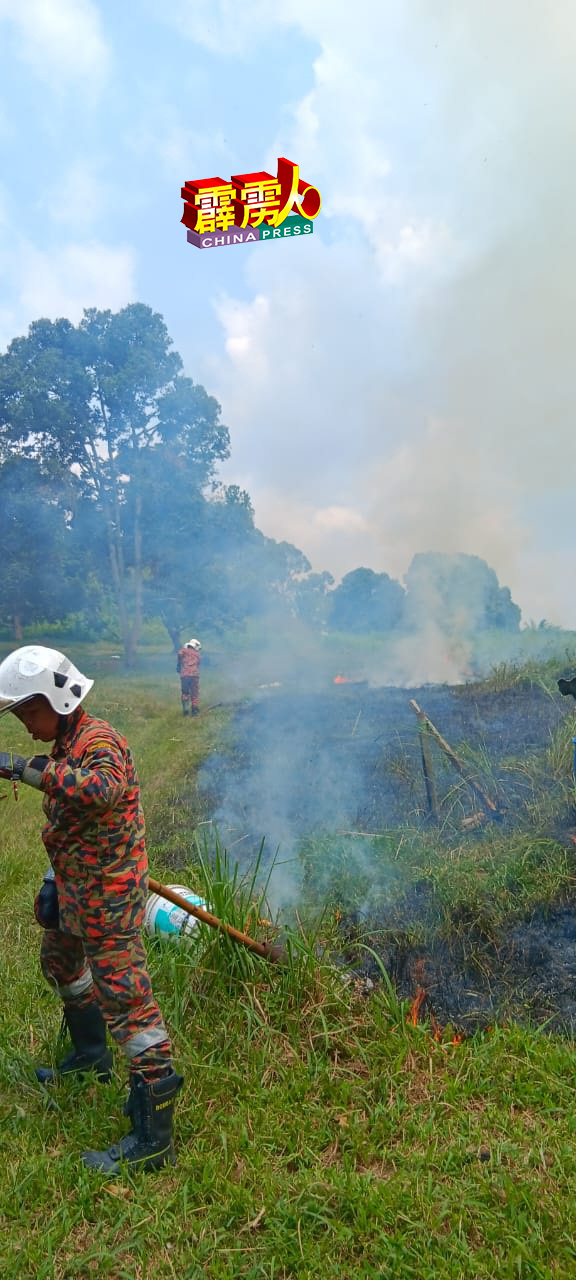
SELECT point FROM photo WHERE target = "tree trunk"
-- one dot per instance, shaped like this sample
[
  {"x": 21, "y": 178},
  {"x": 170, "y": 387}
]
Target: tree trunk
[
  {"x": 136, "y": 627},
  {"x": 18, "y": 629},
  {"x": 119, "y": 591},
  {"x": 173, "y": 631}
]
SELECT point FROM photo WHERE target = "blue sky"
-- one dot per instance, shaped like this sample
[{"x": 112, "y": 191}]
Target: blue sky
[{"x": 401, "y": 381}]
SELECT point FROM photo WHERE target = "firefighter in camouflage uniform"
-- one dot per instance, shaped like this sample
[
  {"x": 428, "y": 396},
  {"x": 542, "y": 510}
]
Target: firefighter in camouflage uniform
[
  {"x": 188, "y": 668},
  {"x": 92, "y": 902}
]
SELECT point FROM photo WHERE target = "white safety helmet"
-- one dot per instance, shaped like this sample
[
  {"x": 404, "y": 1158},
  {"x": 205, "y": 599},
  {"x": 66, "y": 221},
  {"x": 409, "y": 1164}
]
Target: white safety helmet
[
  {"x": 193, "y": 644},
  {"x": 35, "y": 670}
]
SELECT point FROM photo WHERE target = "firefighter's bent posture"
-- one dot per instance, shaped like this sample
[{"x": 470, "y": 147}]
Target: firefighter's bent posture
[
  {"x": 188, "y": 666},
  {"x": 92, "y": 903}
]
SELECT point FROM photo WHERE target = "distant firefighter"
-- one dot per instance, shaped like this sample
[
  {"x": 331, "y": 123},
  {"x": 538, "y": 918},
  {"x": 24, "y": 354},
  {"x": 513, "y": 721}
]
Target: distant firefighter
[{"x": 188, "y": 667}]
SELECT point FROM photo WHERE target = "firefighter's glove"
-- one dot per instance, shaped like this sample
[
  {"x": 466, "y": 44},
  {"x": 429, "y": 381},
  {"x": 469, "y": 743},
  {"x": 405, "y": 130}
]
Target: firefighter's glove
[
  {"x": 46, "y": 907},
  {"x": 23, "y": 770}
]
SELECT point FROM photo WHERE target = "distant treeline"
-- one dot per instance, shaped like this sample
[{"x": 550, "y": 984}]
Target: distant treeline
[{"x": 111, "y": 510}]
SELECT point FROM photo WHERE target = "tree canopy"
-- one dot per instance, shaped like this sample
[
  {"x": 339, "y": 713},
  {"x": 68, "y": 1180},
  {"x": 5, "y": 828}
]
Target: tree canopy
[
  {"x": 111, "y": 505},
  {"x": 41, "y": 573},
  {"x": 460, "y": 592},
  {"x": 366, "y": 601},
  {"x": 106, "y": 402}
]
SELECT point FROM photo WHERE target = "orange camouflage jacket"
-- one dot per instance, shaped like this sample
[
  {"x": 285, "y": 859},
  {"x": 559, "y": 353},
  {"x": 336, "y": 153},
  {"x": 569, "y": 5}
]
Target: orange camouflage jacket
[
  {"x": 95, "y": 833},
  {"x": 188, "y": 661}
]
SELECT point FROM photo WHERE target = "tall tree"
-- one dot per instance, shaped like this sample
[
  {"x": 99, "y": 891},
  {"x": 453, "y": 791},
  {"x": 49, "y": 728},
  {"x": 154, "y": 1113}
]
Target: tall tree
[
  {"x": 366, "y": 601},
  {"x": 460, "y": 593},
  {"x": 40, "y": 575},
  {"x": 192, "y": 543},
  {"x": 100, "y": 400},
  {"x": 313, "y": 598}
]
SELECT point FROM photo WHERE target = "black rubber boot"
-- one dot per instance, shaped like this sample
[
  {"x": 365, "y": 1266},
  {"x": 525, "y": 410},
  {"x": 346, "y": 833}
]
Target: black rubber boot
[
  {"x": 90, "y": 1053},
  {"x": 150, "y": 1144}
]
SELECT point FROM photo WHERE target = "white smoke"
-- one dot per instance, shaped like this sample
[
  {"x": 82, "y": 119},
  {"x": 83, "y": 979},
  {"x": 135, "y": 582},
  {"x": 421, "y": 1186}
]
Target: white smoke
[{"x": 412, "y": 362}]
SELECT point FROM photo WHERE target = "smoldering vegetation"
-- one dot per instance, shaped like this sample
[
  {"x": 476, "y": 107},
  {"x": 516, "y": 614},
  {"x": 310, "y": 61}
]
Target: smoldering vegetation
[
  {"x": 348, "y": 759},
  {"x": 332, "y": 781},
  {"x": 526, "y": 972}
]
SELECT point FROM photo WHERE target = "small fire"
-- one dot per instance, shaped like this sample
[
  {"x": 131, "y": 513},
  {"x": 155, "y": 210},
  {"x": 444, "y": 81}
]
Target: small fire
[
  {"x": 438, "y": 1034},
  {"x": 341, "y": 680},
  {"x": 416, "y": 1006}
]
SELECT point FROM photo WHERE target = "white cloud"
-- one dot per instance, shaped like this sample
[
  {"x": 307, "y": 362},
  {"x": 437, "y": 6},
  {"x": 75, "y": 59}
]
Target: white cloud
[
  {"x": 63, "y": 281},
  {"x": 226, "y": 28},
  {"x": 181, "y": 152},
  {"x": 78, "y": 198},
  {"x": 340, "y": 520},
  {"x": 61, "y": 41},
  {"x": 343, "y": 531},
  {"x": 244, "y": 325}
]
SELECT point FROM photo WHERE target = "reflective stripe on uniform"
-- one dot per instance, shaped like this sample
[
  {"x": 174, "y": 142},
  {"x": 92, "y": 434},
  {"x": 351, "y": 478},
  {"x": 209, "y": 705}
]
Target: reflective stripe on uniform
[
  {"x": 71, "y": 990},
  {"x": 144, "y": 1040}
]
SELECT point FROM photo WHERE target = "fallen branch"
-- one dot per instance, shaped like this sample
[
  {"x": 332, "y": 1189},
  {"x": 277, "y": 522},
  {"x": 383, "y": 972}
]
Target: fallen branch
[
  {"x": 372, "y": 835},
  {"x": 475, "y": 820},
  {"x": 459, "y": 765},
  {"x": 428, "y": 771}
]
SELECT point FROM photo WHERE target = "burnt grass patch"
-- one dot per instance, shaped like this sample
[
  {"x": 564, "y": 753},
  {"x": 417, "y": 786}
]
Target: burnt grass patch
[
  {"x": 469, "y": 980},
  {"x": 348, "y": 758},
  {"x": 481, "y": 923}
]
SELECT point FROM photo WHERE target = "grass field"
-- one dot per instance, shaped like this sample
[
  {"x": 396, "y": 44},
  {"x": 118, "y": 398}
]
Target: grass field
[{"x": 319, "y": 1133}]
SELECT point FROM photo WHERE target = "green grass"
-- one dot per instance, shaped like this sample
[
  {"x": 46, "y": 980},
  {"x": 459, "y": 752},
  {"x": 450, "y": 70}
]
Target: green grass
[{"x": 319, "y": 1134}]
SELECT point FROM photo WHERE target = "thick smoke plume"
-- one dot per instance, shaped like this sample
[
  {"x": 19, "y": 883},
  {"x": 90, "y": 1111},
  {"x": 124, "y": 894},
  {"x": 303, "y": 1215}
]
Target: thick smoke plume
[{"x": 429, "y": 329}]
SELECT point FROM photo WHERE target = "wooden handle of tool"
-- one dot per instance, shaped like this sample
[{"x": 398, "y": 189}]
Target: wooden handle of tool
[{"x": 207, "y": 918}]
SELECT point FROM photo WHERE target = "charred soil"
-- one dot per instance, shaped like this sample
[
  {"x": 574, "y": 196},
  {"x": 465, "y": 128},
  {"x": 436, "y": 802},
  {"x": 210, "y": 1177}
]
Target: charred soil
[
  {"x": 346, "y": 760},
  {"x": 349, "y": 757}
]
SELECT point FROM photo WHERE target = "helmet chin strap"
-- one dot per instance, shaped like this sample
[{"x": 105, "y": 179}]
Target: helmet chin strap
[{"x": 62, "y": 726}]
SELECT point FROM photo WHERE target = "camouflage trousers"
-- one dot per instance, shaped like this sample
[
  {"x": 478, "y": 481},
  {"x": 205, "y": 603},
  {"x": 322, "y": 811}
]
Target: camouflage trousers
[
  {"x": 189, "y": 686},
  {"x": 111, "y": 970}
]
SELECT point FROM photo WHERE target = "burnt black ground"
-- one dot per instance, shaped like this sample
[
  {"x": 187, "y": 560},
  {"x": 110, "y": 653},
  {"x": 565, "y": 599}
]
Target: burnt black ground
[
  {"x": 528, "y": 975},
  {"x": 347, "y": 758}
]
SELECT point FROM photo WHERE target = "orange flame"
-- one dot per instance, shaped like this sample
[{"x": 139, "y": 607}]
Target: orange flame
[
  {"x": 416, "y": 1006},
  {"x": 341, "y": 680}
]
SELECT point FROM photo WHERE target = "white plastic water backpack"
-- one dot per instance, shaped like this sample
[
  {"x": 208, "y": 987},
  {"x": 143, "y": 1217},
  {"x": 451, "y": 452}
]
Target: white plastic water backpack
[
  {"x": 34, "y": 670},
  {"x": 162, "y": 919}
]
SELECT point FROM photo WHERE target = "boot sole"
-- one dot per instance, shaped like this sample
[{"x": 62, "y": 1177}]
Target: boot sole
[
  {"x": 46, "y": 1076},
  {"x": 145, "y": 1164}
]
